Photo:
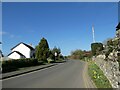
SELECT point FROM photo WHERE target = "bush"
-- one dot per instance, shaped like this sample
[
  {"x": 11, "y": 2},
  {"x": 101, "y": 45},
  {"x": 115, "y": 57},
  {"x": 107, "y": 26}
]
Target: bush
[
  {"x": 14, "y": 64},
  {"x": 96, "y": 48},
  {"x": 50, "y": 60}
]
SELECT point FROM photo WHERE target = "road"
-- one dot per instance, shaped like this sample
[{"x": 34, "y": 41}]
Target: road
[{"x": 65, "y": 75}]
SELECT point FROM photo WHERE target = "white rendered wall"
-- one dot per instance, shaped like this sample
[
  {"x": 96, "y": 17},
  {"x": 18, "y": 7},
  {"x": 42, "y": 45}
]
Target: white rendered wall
[
  {"x": 14, "y": 56},
  {"x": 23, "y": 49}
]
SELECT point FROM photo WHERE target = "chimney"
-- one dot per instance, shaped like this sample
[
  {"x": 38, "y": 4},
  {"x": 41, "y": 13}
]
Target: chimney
[{"x": 30, "y": 44}]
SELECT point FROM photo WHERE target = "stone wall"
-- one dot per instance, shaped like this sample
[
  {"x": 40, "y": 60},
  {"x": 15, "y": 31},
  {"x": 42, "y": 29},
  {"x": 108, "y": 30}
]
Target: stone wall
[{"x": 110, "y": 68}]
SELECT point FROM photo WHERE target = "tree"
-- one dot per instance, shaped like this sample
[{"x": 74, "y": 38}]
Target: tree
[
  {"x": 51, "y": 55},
  {"x": 110, "y": 42},
  {"x": 42, "y": 50},
  {"x": 87, "y": 54},
  {"x": 53, "y": 51},
  {"x": 111, "y": 45},
  {"x": 57, "y": 50},
  {"x": 77, "y": 54},
  {"x": 106, "y": 41},
  {"x": 96, "y": 48}
]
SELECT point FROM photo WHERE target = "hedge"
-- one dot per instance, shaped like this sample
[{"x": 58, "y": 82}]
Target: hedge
[
  {"x": 15, "y": 64},
  {"x": 96, "y": 48}
]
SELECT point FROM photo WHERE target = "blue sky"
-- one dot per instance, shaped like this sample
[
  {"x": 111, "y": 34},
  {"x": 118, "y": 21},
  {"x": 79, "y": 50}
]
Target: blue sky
[
  {"x": 65, "y": 25},
  {"x": 119, "y": 11}
]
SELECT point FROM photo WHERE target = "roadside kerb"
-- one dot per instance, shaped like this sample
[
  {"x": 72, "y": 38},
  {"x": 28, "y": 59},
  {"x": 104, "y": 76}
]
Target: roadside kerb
[{"x": 87, "y": 80}]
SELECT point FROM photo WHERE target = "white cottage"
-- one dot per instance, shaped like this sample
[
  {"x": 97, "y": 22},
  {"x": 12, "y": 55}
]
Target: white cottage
[{"x": 22, "y": 50}]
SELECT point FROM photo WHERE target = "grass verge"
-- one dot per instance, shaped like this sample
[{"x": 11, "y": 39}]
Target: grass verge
[{"x": 98, "y": 76}]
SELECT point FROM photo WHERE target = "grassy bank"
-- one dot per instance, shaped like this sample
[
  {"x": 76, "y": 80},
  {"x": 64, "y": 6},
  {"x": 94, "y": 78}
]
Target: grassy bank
[{"x": 97, "y": 76}]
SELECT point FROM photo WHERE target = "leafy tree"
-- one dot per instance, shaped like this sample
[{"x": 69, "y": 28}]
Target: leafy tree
[
  {"x": 110, "y": 42},
  {"x": 57, "y": 50},
  {"x": 77, "y": 54},
  {"x": 111, "y": 45},
  {"x": 42, "y": 50},
  {"x": 105, "y": 41},
  {"x": 61, "y": 56},
  {"x": 87, "y": 54},
  {"x": 53, "y": 51},
  {"x": 96, "y": 48},
  {"x": 51, "y": 55}
]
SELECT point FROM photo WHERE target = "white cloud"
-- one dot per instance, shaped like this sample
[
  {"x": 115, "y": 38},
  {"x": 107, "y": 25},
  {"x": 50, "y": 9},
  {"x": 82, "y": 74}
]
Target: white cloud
[
  {"x": 2, "y": 33},
  {"x": 6, "y": 33},
  {"x": 12, "y": 36}
]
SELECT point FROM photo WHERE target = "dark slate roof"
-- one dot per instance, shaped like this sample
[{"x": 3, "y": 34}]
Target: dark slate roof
[
  {"x": 1, "y": 53},
  {"x": 30, "y": 47},
  {"x": 118, "y": 26},
  {"x": 16, "y": 52}
]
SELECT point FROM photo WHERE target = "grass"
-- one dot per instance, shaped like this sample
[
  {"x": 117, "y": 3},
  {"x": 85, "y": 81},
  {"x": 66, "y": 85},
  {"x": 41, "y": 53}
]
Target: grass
[
  {"x": 98, "y": 76},
  {"x": 86, "y": 59}
]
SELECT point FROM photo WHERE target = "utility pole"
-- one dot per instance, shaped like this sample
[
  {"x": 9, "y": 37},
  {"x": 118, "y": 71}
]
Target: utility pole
[
  {"x": 0, "y": 53},
  {"x": 0, "y": 59},
  {"x": 93, "y": 34}
]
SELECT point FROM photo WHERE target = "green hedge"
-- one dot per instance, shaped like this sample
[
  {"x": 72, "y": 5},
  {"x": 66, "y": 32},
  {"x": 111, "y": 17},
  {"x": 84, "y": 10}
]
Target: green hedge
[
  {"x": 14, "y": 64},
  {"x": 96, "y": 48}
]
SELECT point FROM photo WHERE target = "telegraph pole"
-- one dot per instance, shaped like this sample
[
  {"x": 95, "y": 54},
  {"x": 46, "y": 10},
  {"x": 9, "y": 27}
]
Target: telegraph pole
[
  {"x": 0, "y": 53},
  {"x": 93, "y": 34}
]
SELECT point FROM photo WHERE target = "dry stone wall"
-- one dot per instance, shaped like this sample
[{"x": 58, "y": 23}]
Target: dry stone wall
[{"x": 110, "y": 68}]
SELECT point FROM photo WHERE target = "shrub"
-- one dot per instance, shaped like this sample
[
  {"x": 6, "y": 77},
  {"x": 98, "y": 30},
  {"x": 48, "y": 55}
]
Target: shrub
[
  {"x": 50, "y": 60},
  {"x": 96, "y": 48},
  {"x": 14, "y": 64}
]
